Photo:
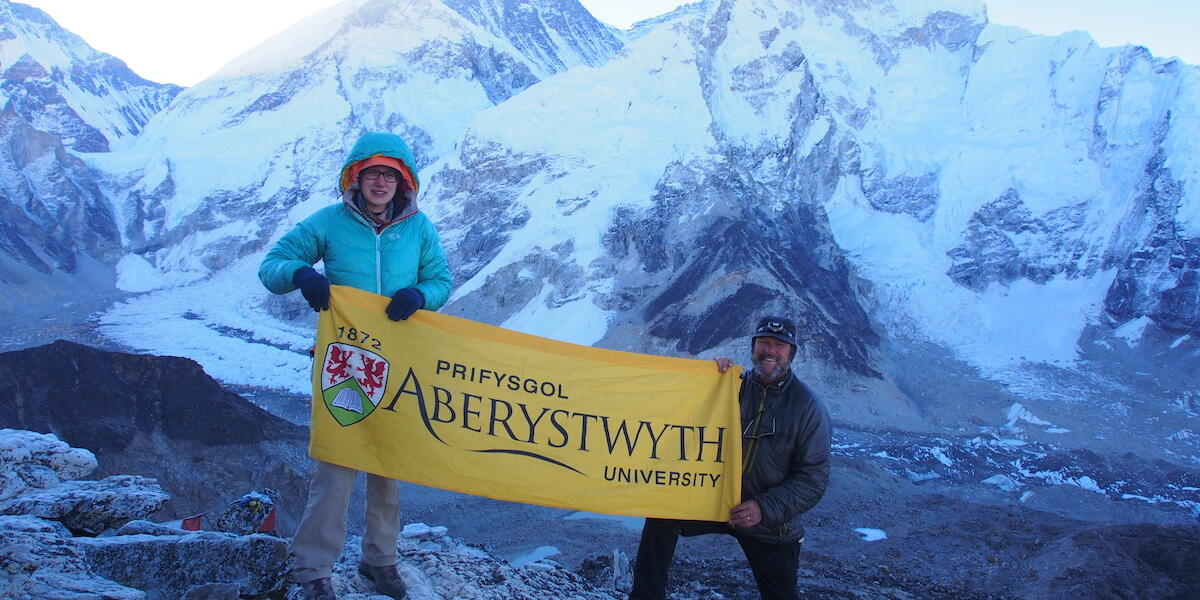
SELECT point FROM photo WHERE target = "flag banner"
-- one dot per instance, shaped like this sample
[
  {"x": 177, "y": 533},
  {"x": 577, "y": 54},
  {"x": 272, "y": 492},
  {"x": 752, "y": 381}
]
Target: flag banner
[{"x": 460, "y": 405}]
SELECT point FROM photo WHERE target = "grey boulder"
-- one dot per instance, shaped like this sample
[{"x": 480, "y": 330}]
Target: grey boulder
[{"x": 173, "y": 566}]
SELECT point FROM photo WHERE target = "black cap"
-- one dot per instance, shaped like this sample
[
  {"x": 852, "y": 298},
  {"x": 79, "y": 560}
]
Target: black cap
[{"x": 776, "y": 327}]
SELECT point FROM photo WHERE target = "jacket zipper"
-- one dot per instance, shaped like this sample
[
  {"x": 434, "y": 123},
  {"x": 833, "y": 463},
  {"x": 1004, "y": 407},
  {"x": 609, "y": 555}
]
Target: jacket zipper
[
  {"x": 378, "y": 230},
  {"x": 752, "y": 454},
  {"x": 378, "y": 265}
]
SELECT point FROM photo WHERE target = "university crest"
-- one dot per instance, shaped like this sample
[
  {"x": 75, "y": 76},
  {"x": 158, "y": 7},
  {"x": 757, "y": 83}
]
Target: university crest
[{"x": 352, "y": 382}]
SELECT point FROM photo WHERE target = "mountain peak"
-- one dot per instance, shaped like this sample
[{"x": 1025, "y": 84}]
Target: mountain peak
[{"x": 61, "y": 85}]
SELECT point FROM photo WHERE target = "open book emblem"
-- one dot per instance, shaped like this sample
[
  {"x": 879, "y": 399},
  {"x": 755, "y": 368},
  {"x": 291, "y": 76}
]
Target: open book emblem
[
  {"x": 352, "y": 382},
  {"x": 348, "y": 399}
]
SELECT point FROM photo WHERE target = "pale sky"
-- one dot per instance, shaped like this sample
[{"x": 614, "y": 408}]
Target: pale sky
[{"x": 183, "y": 42}]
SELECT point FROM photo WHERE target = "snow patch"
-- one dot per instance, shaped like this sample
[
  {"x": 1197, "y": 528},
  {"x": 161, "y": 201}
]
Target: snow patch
[
  {"x": 940, "y": 455},
  {"x": 533, "y": 556},
  {"x": 136, "y": 274},
  {"x": 1003, "y": 482},
  {"x": 918, "y": 477},
  {"x": 1017, "y": 413},
  {"x": 579, "y": 321},
  {"x": 870, "y": 534},
  {"x": 423, "y": 532},
  {"x": 1132, "y": 331},
  {"x": 1183, "y": 434}
]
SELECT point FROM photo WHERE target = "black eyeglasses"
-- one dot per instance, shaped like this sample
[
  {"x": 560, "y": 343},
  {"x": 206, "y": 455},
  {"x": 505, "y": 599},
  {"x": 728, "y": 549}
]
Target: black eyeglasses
[{"x": 388, "y": 176}]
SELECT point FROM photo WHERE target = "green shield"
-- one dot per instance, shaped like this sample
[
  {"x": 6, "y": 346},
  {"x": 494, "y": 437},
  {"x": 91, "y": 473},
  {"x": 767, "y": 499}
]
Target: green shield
[{"x": 347, "y": 402}]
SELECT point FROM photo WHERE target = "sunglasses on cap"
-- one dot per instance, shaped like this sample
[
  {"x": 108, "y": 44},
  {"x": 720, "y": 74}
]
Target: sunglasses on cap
[{"x": 773, "y": 327}]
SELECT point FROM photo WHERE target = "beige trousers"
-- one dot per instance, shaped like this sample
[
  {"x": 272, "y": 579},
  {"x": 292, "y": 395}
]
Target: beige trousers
[{"x": 321, "y": 536}]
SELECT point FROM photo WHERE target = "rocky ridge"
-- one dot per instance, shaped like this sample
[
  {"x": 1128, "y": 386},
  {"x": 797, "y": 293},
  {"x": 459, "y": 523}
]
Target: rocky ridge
[
  {"x": 160, "y": 417},
  {"x": 136, "y": 559}
]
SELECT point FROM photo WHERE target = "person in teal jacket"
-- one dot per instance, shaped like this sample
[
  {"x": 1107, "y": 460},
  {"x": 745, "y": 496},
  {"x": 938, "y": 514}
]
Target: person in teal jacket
[{"x": 375, "y": 240}]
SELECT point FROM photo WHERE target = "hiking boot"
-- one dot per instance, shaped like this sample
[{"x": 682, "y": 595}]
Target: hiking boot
[
  {"x": 386, "y": 579},
  {"x": 318, "y": 589}
]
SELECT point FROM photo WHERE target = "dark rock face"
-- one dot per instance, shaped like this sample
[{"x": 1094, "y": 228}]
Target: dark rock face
[
  {"x": 916, "y": 196},
  {"x": 1120, "y": 561},
  {"x": 501, "y": 75},
  {"x": 533, "y": 28},
  {"x": 100, "y": 400},
  {"x": 947, "y": 29},
  {"x": 707, "y": 280},
  {"x": 1004, "y": 241},
  {"x": 485, "y": 211},
  {"x": 54, "y": 216},
  {"x": 764, "y": 269},
  {"x": 160, "y": 417},
  {"x": 1160, "y": 277}
]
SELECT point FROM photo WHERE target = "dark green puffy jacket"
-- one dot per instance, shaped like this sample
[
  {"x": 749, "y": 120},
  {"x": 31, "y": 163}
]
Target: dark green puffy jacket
[{"x": 785, "y": 454}]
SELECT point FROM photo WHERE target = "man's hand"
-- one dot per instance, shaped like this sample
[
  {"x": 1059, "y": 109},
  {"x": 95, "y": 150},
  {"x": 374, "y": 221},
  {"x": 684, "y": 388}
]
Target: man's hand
[
  {"x": 746, "y": 514},
  {"x": 723, "y": 363}
]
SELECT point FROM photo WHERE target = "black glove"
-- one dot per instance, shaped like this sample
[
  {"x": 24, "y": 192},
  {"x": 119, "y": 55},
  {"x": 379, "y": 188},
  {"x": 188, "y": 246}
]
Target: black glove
[
  {"x": 314, "y": 286},
  {"x": 404, "y": 303}
]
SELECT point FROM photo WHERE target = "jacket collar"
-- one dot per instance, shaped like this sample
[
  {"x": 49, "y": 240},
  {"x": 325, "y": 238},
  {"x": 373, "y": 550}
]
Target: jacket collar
[{"x": 779, "y": 386}]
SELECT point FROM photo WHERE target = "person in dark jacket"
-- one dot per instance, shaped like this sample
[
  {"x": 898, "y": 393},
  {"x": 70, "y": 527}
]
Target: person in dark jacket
[
  {"x": 376, "y": 240},
  {"x": 785, "y": 470}
]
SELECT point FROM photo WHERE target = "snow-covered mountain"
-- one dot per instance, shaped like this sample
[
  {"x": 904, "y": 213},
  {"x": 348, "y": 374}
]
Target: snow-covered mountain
[
  {"x": 895, "y": 174},
  {"x": 214, "y": 175},
  {"x": 58, "y": 84},
  {"x": 554, "y": 35},
  {"x": 953, "y": 209},
  {"x": 57, "y": 230}
]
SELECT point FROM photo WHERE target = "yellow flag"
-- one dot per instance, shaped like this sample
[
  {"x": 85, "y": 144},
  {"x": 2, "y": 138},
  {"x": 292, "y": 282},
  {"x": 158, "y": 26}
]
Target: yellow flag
[{"x": 460, "y": 405}]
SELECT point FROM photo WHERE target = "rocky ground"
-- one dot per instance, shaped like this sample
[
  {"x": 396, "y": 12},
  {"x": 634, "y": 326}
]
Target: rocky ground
[
  {"x": 61, "y": 537},
  {"x": 1060, "y": 523}
]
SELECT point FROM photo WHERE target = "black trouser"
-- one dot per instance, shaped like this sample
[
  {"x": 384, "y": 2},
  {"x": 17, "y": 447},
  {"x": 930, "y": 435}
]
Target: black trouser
[{"x": 774, "y": 565}]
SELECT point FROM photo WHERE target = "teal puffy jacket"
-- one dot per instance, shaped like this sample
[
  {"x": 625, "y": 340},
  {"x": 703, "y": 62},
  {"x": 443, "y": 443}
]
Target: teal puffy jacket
[{"x": 405, "y": 252}]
